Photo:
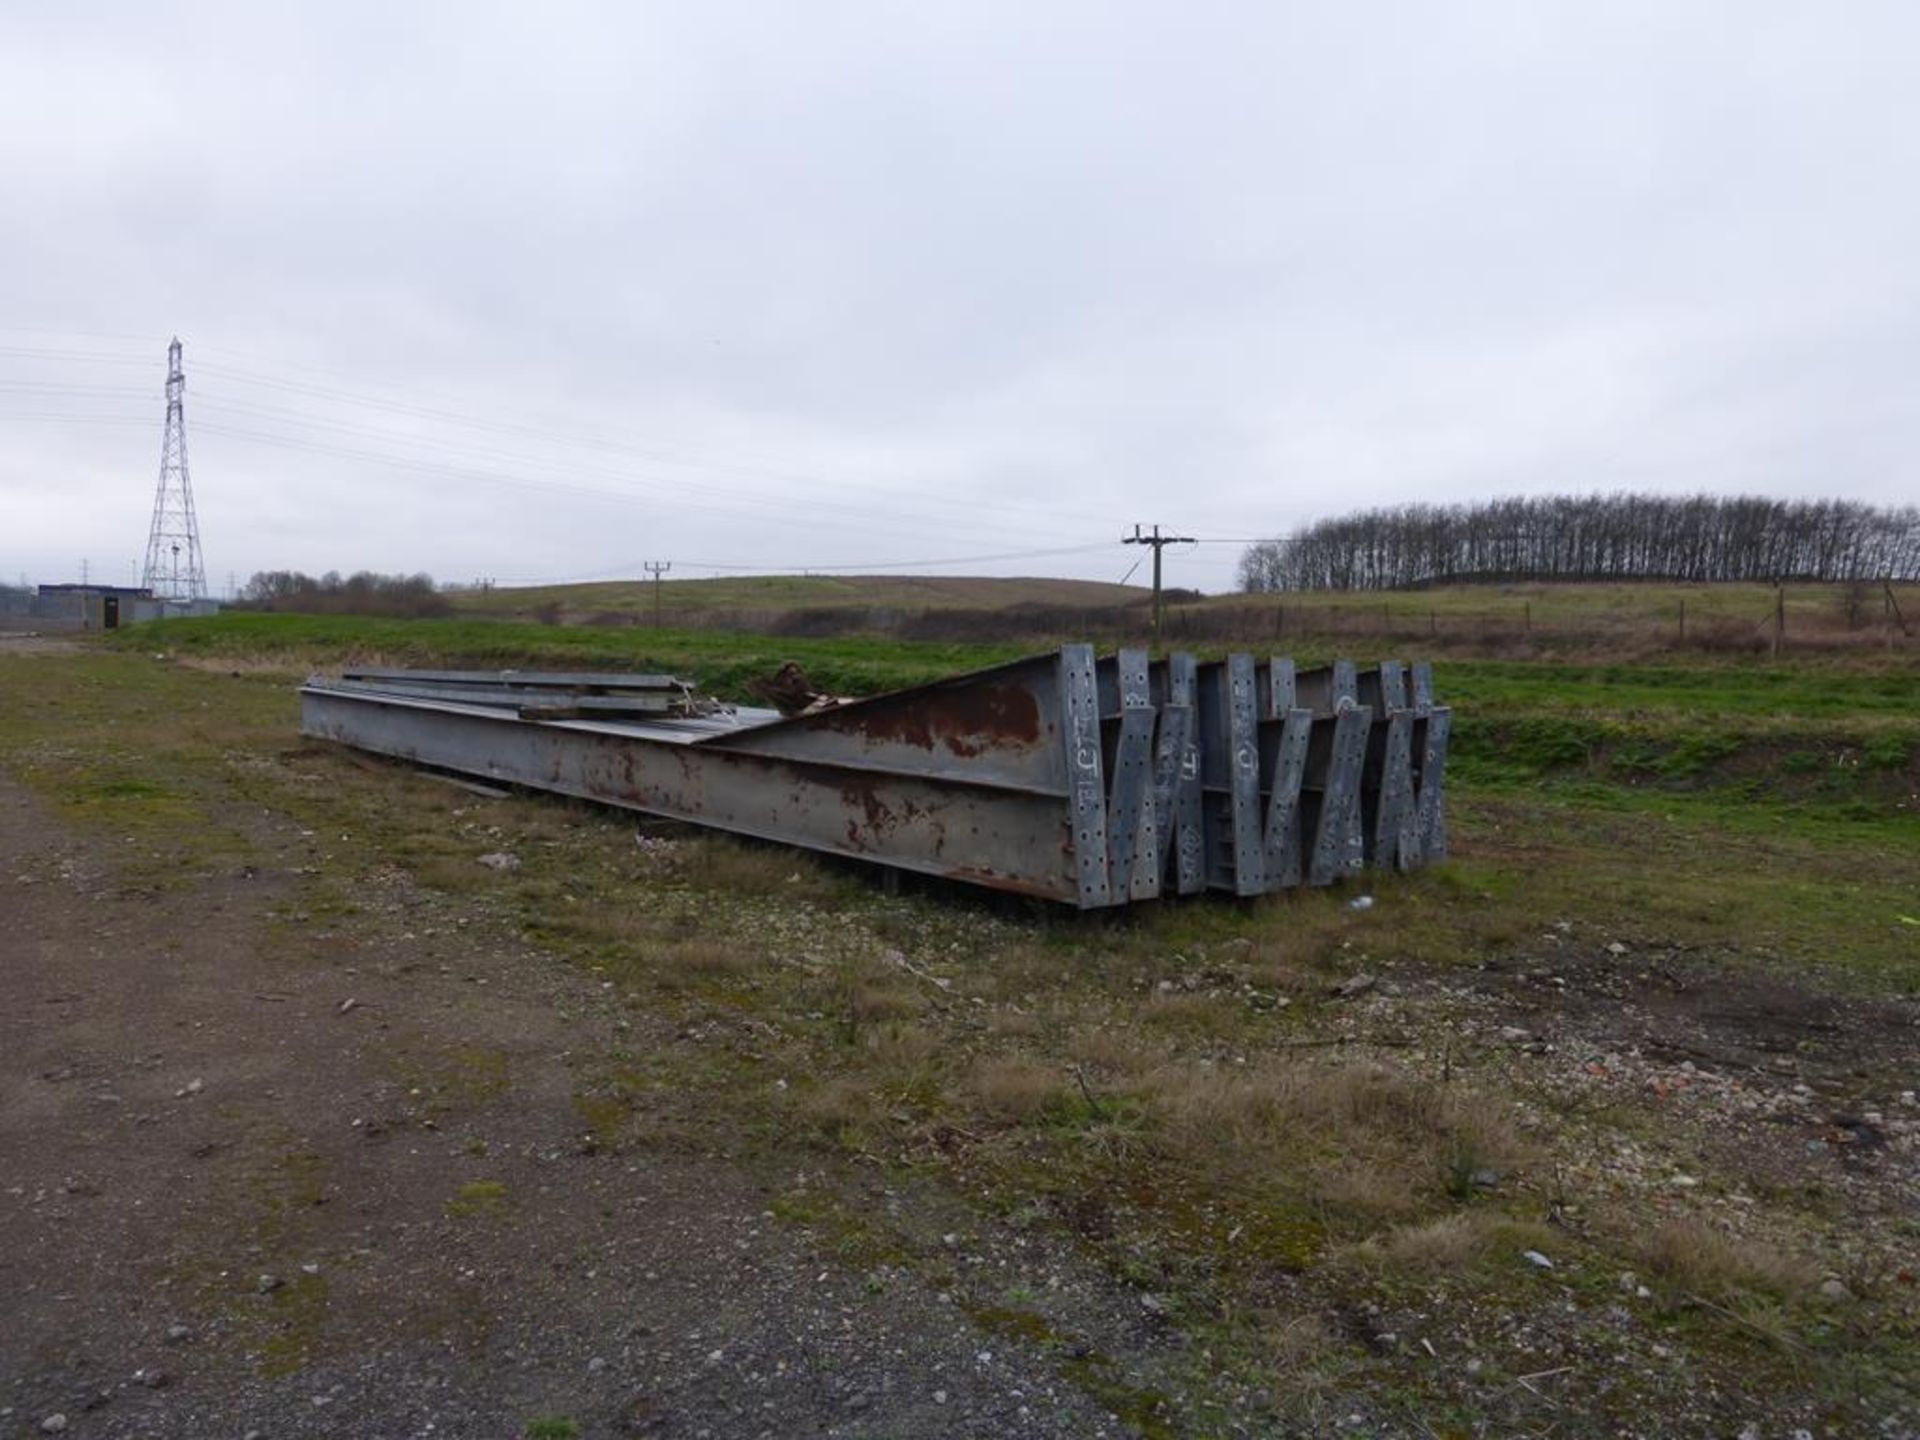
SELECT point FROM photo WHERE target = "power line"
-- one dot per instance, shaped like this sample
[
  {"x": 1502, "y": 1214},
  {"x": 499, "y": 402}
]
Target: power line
[
  {"x": 921, "y": 564},
  {"x": 413, "y": 448},
  {"x": 432, "y": 469},
  {"x": 428, "y": 456},
  {"x": 861, "y": 568},
  {"x": 574, "y": 435}
]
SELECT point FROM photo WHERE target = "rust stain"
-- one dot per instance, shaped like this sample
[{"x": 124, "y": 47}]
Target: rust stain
[
  {"x": 994, "y": 880},
  {"x": 864, "y": 791},
  {"x": 969, "y": 719}
]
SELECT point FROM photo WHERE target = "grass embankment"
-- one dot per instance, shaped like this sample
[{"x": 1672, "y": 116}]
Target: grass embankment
[
  {"x": 761, "y": 593},
  {"x": 1520, "y": 620},
  {"x": 1292, "y": 1178},
  {"x": 721, "y": 661},
  {"x": 1817, "y": 735}
]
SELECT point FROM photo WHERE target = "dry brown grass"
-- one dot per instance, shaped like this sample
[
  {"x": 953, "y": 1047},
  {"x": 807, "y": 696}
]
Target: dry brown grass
[
  {"x": 1360, "y": 1134},
  {"x": 1291, "y": 961},
  {"x": 704, "y": 959},
  {"x": 1195, "y": 1014},
  {"x": 1303, "y": 936},
  {"x": 1694, "y": 1258},
  {"x": 1112, "y": 1051},
  {"x": 903, "y": 1047},
  {"x": 1013, "y": 1024},
  {"x": 1029, "y": 963},
  {"x": 275, "y": 666},
  {"x": 454, "y": 874},
  {"x": 1452, "y": 1242},
  {"x": 1298, "y": 1343},
  {"x": 874, "y": 999},
  {"x": 1013, "y": 1088},
  {"x": 718, "y": 863},
  {"x": 639, "y": 946},
  {"x": 840, "y": 1108},
  {"x": 1373, "y": 1186},
  {"x": 616, "y": 926}
]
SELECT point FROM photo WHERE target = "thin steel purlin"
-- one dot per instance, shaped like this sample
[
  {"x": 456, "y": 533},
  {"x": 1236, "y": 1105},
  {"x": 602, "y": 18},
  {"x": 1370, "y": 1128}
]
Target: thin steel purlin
[{"x": 1090, "y": 781}]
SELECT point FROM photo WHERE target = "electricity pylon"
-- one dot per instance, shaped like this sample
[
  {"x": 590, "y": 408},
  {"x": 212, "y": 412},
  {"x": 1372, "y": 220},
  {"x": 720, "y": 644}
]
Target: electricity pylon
[{"x": 174, "y": 570}]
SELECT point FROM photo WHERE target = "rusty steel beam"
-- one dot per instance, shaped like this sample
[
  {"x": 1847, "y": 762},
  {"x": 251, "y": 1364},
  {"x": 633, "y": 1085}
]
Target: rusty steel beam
[{"x": 1091, "y": 781}]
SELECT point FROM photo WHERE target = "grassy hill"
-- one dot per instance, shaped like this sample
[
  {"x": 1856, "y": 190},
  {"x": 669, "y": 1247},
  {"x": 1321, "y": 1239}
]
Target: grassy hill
[
  {"x": 1628, "y": 620},
  {"x": 765, "y": 594}
]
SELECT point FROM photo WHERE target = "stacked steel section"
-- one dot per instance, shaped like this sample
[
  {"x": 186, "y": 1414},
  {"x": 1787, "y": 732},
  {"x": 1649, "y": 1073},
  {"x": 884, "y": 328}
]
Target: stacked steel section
[{"x": 1094, "y": 782}]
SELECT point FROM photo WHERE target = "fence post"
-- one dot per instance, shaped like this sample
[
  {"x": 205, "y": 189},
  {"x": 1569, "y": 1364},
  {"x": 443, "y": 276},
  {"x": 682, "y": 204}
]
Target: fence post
[
  {"x": 1433, "y": 622},
  {"x": 1683, "y": 619},
  {"x": 1779, "y": 617},
  {"x": 1527, "y": 617},
  {"x": 1893, "y": 613}
]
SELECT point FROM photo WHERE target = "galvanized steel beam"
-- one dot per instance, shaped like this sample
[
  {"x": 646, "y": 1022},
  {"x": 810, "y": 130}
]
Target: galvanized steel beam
[{"x": 1089, "y": 781}]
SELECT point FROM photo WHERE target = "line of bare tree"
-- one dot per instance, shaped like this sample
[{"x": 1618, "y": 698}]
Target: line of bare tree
[
  {"x": 1592, "y": 537},
  {"x": 364, "y": 593}
]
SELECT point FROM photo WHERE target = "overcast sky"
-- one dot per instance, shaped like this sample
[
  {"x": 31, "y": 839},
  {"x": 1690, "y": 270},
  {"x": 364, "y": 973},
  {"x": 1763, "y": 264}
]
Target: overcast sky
[{"x": 544, "y": 291}]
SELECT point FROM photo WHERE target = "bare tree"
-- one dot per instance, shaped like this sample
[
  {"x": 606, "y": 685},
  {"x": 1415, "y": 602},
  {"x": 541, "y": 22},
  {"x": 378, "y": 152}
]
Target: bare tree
[
  {"x": 363, "y": 593},
  {"x": 1592, "y": 537}
]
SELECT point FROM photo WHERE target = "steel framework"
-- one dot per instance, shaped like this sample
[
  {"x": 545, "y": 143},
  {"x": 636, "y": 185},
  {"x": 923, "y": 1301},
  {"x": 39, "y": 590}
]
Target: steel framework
[
  {"x": 1089, "y": 781},
  {"x": 174, "y": 570}
]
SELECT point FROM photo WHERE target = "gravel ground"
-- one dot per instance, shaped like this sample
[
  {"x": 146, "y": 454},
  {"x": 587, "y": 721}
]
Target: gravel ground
[{"x": 273, "y": 1178}]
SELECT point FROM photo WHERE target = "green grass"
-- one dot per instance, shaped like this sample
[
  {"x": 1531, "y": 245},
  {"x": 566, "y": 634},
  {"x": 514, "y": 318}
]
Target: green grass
[
  {"x": 477, "y": 1198},
  {"x": 1770, "y": 694},
  {"x": 720, "y": 661},
  {"x": 1718, "y": 728},
  {"x": 765, "y": 593},
  {"x": 1708, "y": 810}
]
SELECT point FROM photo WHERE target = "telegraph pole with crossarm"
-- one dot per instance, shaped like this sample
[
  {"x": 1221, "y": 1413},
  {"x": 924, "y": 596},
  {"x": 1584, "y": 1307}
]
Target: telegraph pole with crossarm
[
  {"x": 657, "y": 568},
  {"x": 1159, "y": 542}
]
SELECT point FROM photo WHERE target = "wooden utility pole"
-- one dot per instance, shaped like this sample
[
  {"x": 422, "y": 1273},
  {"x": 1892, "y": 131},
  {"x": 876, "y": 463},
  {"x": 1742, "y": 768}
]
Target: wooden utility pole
[
  {"x": 657, "y": 568},
  {"x": 1159, "y": 542}
]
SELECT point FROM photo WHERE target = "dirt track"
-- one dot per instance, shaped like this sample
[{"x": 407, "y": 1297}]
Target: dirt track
[{"x": 380, "y": 1218}]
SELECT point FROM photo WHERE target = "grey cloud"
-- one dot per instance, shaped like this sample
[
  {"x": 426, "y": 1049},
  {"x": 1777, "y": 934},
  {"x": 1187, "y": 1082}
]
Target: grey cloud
[{"x": 906, "y": 282}]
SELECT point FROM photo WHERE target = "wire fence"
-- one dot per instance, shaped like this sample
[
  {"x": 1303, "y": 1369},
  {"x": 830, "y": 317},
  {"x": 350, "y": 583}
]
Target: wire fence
[{"x": 1785, "y": 620}]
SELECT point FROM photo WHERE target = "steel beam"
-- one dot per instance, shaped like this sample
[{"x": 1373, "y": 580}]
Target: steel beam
[{"x": 1090, "y": 781}]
